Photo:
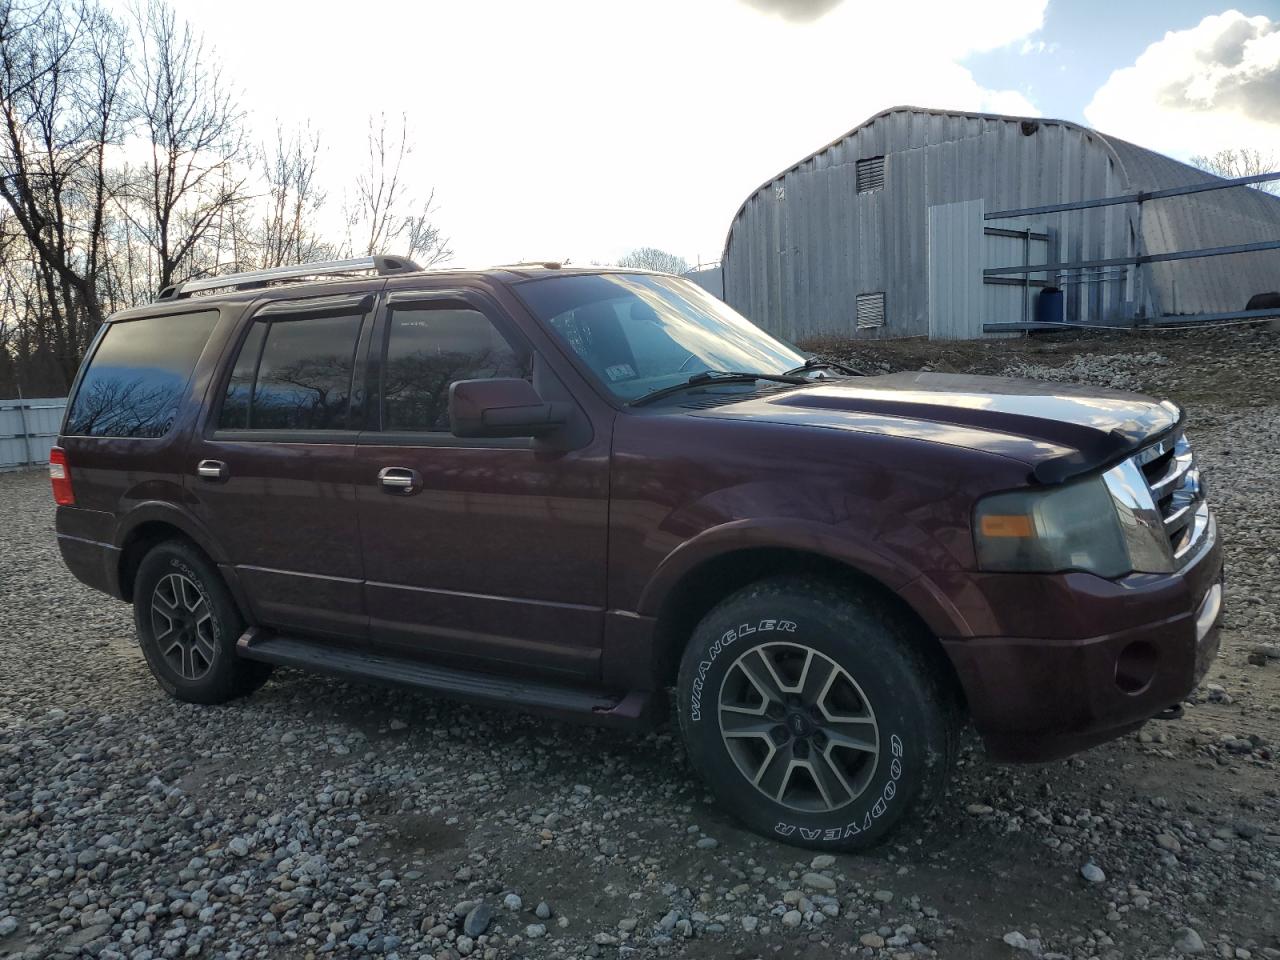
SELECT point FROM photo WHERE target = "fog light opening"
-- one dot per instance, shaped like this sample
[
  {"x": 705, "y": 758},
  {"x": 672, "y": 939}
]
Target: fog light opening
[{"x": 1135, "y": 667}]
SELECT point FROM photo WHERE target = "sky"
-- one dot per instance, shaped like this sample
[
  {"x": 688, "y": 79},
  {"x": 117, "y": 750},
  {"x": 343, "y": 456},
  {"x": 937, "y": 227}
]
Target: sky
[{"x": 579, "y": 129}]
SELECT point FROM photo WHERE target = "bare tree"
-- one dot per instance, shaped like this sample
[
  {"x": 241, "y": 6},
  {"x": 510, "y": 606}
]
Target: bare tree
[
  {"x": 61, "y": 71},
  {"x": 387, "y": 216},
  {"x": 294, "y": 198},
  {"x": 125, "y": 166},
  {"x": 194, "y": 129},
  {"x": 651, "y": 258},
  {"x": 1242, "y": 162}
]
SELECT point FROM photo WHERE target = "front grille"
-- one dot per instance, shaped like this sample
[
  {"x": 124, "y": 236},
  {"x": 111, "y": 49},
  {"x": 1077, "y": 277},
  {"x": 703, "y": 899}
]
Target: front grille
[{"x": 1178, "y": 491}]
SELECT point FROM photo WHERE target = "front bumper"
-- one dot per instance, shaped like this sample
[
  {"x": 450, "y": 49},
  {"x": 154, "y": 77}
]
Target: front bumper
[{"x": 1106, "y": 657}]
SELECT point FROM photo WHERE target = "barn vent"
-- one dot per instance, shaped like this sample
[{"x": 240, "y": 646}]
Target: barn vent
[
  {"x": 870, "y": 174},
  {"x": 870, "y": 310}
]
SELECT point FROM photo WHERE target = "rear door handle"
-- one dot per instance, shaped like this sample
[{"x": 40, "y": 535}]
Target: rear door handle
[
  {"x": 212, "y": 470},
  {"x": 401, "y": 480}
]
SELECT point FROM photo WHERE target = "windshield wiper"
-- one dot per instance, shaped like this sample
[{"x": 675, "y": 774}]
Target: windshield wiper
[
  {"x": 717, "y": 376},
  {"x": 817, "y": 363}
]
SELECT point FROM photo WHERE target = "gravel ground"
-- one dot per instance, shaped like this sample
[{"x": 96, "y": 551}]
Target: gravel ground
[{"x": 321, "y": 817}]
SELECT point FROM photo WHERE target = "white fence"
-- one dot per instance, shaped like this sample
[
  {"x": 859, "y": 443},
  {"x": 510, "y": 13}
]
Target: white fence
[{"x": 28, "y": 429}]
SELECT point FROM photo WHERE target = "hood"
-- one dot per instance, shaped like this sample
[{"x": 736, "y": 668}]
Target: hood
[{"x": 1060, "y": 430}]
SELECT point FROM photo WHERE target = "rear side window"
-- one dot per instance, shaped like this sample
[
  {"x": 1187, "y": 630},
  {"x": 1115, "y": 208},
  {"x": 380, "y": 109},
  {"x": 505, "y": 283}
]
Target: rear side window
[
  {"x": 293, "y": 373},
  {"x": 427, "y": 350},
  {"x": 137, "y": 376}
]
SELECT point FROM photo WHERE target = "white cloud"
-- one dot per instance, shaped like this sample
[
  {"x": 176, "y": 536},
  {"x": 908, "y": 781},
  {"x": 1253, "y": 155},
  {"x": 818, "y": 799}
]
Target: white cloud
[
  {"x": 1010, "y": 102},
  {"x": 1214, "y": 86},
  {"x": 1037, "y": 46},
  {"x": 580, "y": 128}
]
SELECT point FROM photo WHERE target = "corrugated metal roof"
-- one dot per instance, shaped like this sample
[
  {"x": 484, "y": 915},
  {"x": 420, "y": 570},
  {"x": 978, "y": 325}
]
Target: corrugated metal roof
[{"x": 805, "y": 244}]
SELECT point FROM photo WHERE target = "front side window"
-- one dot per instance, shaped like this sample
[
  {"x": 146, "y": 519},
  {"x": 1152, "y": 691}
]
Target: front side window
[
  {"x": 293, "y": 373},
  {"x": 430, "y": 348},
  {"x": 136, "y": 378},
  {"x": 639, "y": 333}
]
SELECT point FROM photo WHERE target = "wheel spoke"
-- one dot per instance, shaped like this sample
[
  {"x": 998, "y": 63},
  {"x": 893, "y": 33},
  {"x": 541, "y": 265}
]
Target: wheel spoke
[
  {"x": 831, "y": 783},
  {"x": 205, "y": 647},
  {"x": 774, "y": 775},
  {"x": 191, "y": 598},
  {"x": 735, "y": 723},
  {"x": 160, "y": 615},
  {"x": 836, "y": 739},
  {"x": 170, "y": 599},
  {"x": 755, "y": 666},
  {"x": 816, "y": 678}
]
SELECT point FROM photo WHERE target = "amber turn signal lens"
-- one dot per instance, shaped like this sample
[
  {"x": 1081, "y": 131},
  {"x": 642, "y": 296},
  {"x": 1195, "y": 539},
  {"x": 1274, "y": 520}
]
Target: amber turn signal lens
[{"x": 1016, "y": 525}]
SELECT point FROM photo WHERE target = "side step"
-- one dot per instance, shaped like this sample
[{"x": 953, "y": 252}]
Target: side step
[{"x": 638, "y": 708}]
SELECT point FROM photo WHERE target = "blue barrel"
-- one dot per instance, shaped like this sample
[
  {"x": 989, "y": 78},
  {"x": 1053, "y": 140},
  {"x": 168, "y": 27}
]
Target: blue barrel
[{"x": 1050, "y": 305}]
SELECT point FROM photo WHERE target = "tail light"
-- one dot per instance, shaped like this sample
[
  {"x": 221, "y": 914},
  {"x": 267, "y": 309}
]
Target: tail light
[{"x": 60, "y": 478}]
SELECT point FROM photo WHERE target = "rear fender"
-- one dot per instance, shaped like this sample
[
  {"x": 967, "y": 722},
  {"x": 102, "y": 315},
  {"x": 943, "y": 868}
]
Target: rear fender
[{"x": 172, "y": 515}]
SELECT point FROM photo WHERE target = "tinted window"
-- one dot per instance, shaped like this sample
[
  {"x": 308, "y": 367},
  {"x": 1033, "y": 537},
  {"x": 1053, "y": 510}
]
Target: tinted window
[
  {"x": 235, "y": 405},
  {"x": 138, "y": 374},
  {"x": 304, "y": 376},
  {"x": 427, "y": 350}
]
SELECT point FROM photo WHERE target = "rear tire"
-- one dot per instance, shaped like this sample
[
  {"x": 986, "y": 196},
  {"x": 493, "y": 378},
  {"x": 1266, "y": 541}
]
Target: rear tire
[
  {"x": 188, "y": 626},
  {"x": 816, "y": 714}
]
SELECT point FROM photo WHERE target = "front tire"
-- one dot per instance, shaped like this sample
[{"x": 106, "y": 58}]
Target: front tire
[
  {"x": 188, "y": 626},
  {"x": 814, "y": 713}
]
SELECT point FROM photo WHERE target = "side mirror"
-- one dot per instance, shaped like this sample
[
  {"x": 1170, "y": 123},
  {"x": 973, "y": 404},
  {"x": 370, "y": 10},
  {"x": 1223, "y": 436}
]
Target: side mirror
[{"x": 502, "y": 408}]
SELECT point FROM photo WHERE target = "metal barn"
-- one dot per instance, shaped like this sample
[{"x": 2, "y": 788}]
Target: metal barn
[{"x": 889, "y": 232}]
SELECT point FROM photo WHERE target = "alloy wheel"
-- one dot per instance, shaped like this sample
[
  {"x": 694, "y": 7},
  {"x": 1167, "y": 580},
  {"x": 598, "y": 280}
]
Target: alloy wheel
[
  {"x": 798, "y": 727},
  {"x": 183, "y": 626}
]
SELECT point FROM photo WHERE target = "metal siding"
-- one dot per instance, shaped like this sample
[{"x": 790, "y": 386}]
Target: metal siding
[
  {"x": 710, "y": 279},
  {"x": 797, "y": 265},
  {"x": 955, "y": 270},
  {"x": 28, "y": 429}
]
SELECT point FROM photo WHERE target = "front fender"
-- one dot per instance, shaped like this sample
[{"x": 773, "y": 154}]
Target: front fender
[
  {"x": 788, "y": 533},
  {"x": 832, "y": 542}
]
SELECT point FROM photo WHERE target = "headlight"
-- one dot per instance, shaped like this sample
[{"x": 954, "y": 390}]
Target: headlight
[{"x": 1099, "y": 525}]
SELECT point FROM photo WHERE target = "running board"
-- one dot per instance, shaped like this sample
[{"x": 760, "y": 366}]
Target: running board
[{"x": 638, "y": 708}]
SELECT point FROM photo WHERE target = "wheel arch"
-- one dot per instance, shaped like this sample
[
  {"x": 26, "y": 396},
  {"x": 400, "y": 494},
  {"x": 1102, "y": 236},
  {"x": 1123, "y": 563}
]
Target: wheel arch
[
  {"x": 704, "y": 585},
  {"x": 154, "y": 523}
]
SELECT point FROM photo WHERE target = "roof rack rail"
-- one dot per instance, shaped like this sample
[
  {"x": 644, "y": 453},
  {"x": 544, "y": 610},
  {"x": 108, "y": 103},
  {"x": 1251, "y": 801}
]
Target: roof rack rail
[
  {"x": 383, "y": 266},
  {"x": 549, "y": 264}
]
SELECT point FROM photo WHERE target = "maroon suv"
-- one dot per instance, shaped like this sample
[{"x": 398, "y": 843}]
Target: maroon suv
[{"x": 569, "y": 490}]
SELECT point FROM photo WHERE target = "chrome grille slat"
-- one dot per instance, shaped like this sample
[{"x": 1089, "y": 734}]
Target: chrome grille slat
[
  {"x": 1178, "y": 519},
  {"x": 1174, "y": 480},
  {"x": 1203, "y": 524},
  {"x": 1179, "y": 464}
]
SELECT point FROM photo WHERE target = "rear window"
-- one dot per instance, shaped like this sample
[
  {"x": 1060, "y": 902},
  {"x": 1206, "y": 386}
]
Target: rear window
[
  {"x": 138, "y": 374},
  {"x": 293, "y": 373}
]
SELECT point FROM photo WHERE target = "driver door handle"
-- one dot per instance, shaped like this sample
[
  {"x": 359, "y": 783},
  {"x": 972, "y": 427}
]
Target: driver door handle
[
  {"x": 400, "y": 480},
  {"x": 212, "y": 470}
]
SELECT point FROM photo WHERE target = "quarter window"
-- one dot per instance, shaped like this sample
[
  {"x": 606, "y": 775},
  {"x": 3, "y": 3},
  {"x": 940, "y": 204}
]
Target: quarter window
[
  {"x": 135, "y": 381},
  {"x": 293, "y": 373},
  {"x": 430, "y": 348}
]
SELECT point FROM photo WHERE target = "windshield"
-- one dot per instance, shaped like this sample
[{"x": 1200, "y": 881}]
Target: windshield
[{"x": 640, "y": 333}]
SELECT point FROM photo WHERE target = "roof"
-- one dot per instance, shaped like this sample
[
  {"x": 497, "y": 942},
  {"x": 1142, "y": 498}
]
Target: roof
[
  {"x": 503, "y": 273},
  {"x": 1140, "y": 168}
]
